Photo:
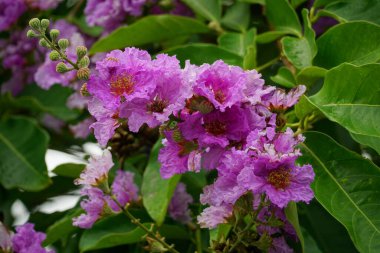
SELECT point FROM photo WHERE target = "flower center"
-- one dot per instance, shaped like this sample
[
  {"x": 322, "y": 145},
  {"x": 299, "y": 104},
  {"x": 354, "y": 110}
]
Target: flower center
[
  {"x": 215, "y": 127},
  {"x": 279, "y": 178},
  {"x": 157, "y": 105},
  {"x": 219, "y": 96},
  {"x": 121, "y": 84}
]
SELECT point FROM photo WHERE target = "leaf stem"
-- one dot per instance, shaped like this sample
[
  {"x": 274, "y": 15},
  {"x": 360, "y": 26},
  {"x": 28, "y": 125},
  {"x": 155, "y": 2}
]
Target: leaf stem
[
  {"x": 267, "y": 64},
  {"x": 198, "y": 240}
]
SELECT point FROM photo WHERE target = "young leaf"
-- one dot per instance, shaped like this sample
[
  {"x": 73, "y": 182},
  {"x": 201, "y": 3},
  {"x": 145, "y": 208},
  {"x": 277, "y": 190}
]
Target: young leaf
[
  {"x": 147, "y": 30},
  {"x": 350, "y": 97},
  {"x": 292, "y": 216},
  {"x": 209, "y": 9},
  {"x": 237, "y": 17},
  {"x": 284, "y": 77},
  {"x": 22, "y": 154},
  {"x": 157, "y": 192},
  {"x": 237, "y": 42},
  {"x": 347, "y": 186}
]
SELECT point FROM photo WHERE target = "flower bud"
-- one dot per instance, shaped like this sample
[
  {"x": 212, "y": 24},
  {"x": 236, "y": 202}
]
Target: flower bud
[
  {"x": 31, "y": 34},
  {"x": 84, "y": 62},
  {"x": 81, "y": 52},
  {"x": 63, "y": 43},
  {"x": 45, "y": 24},
  {"x": 54, "y": 34},
  {"x": 43, "y": 43},
  {"x": 54, "y": 56},
  {"x": 35, "y": 23},
  {"x": 83, "y": 73},
  {"x": 83, "y": 90},
  {"x": 61, "y": 68}
]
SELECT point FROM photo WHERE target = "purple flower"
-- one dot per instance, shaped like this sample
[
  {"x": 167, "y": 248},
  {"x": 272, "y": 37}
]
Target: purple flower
[
  {"x": 279, "y": 100},
  {"x": 254, "y": 89},
  {"x": 96, "y": 205},
  {"x": 5, "y": 239},
  {"x": 279, "y": 245},
  {"x": 214, "y": 215},
  {"x": 52, "y": 123},
  {"x": 10, "y": 11},
  {"x": 176, "y": 8},
  {"x": 27, "y": 240},
  {"x": 82, "y": 129},
  {"x": 179, "y": 204},
  {"x": 221, "y": 84},
  {"x": 124, "y": 188},
  {"x": 133, "y": 7},
  {"x": 178, "y": 157},
  {"x": 43, "y": 4},
  {"x": 97, "y": 170},
  {"x": 77, "y": 101},
  {"x": 166, "y": 97}
]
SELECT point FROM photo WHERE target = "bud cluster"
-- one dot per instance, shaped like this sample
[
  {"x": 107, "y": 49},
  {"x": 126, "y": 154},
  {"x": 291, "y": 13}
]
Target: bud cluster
[{"x": 59, "y": 46}]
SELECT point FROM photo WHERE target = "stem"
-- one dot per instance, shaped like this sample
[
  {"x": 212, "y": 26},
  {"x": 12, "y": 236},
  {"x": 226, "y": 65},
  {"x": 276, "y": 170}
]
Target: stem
[
  {"x": 269, "y": 63},
  {"x": 239, "y": 239},
  {"x": 63, "y": 56},
  {"x": 198, "y": 240},
  {"x": 137, "y": 222}
]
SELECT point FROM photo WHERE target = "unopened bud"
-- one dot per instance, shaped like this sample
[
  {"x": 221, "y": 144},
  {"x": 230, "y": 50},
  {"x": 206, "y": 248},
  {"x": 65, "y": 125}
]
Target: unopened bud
[
  {"x": 177, "y": 135},
  {"x": 35, "y": 23},
  {"x": 83, "y": 73},
  {"x": 63, "y": 43},
  {"x": 45, "y": 24},
  {"x": 54, "y": 34},
  {"x": 81, "y": 52},
  {"x": 84, "y": 62},
  {"x": 61, "y": 68},
  {"x": 43, "y": 43},
  {"x": 31, "y": 34},
  {"x": 83, "y": 90},
  {"x": 54, "y": 56}
]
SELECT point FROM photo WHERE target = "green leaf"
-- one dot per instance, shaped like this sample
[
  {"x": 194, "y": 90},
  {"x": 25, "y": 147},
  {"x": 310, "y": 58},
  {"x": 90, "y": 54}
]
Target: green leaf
[
  {"x": 150, "y": 29},
  {"x": 347, "y": 186},
  {"x": 304, "y": 107},
  {"x": 292, "y": 216},
  {"x": 267, "y": 37},
  {"x": 71, "y": 170},
  {"x": 296, "y": 3},
  {"x": 237, "y": 17},
  {"x": 355, "y": 42},
  {"x": 350, "y": 96},
  {"x": 262, "y": 2},
  {"x": 301, "y": 51},
  {"x": 283, "y": 17},
  {"x": 310, "y": 75},
  {"x": 209, "y": 9},
  {"x": 204, "y": 53},
  {"x": 284, "y": 77},
  {"x": 221, "y": 231},
  {"x": 237, "y": 42},
  {"x": 351, "y": 10},
  {"x": 157, "y": 192},
  {"x": 22, "y": 154}
]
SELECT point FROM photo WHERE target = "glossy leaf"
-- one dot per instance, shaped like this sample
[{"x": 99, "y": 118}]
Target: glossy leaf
[
  {"x": 310, "y": 75},
  {"x": 157, "y": 192},
  {"x": 270, "y": 36},
  {"x": 284, "y": 77},
  {"x": 347, "y": 186},
  {"x": 237, "y": 17},
  {"x": 355, "y": 42},
  {"x": 350, "y": 97},
  {"x": 204, "y": 53},
  {"x": 237, "y": 42},
  {"x": 292, "y": 216},
  {"x": 22, "y": 154},
  {"x": 209, "y": 9},
  {"x": 147, "y": 30},
  {"x": 71, "y": 170},
  {"x": 283, "y": 17}
]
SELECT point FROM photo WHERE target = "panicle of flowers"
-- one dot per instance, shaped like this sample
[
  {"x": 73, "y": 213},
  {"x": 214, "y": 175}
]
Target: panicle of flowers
[{"x": 25, "y": 240}]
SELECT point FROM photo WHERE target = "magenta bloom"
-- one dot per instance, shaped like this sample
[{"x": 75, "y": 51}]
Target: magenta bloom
[
  {"x": 179, "y": 204},
  {"x": 27, "y": 240},
  {"x": 216, "y": 128},
  {"x": 166, "y": 97},
  {"x": 178, "y": 157},
  {"x": 279, "y": 100},
  {"x": 124, "y": 188},
  {"x": 279, "y": 245},
  {"x": 254, "y": 89},
  {"x": 77, "y": 101},
  {"x": 10, "y": 11},
  {"x": 214, "y": 215},
  {"x": 82, "y": 129},
  {"x": 97, "y": 170},
  {"x": 44, "y": 4},
  {"x": 106, "y": 121},
  {"x": 221, "y": 84}
]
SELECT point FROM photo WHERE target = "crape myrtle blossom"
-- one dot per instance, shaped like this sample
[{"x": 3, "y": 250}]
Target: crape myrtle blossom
[
  {"x": 10, "y": 11},
  {"x": 27, "y": 240},
  {"x": 82, "y": 129},
  {"x": 179, "y": 205},
  {"x": 43, "y": 4}
]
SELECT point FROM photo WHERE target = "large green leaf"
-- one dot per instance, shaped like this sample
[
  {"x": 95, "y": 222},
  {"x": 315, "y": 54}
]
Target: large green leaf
[
  {"x": 71, "y": 170},
  {"x": 283, "y": 17},
  {"x": 204, "y": 53},
  {"x": 350, "y": 10},
  {"x": 354, "y": 42},
  {"x": 147, "y": 30},
  {"x": 301, "y": 51},
  {"x": 347, "y": 186},
  {"x": 350, "y": 96},
  {"x": 22, "y": 154},
  {"x": 157, "y": 192},
  {"x": 292, "y": 216},
  {"x": 284, "y": 77},
  {"x": 237, "y": 42},
  {"x": 209, "y": 9},
  {"x": 237, "y": 17}
]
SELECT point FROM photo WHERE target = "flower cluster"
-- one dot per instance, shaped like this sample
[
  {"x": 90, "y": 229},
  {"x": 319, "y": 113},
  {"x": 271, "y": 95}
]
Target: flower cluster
[
  {"x": 25, "y": 240},
  {"x": 213, "y": 116},
  {"x": 100, "y": 199}
]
